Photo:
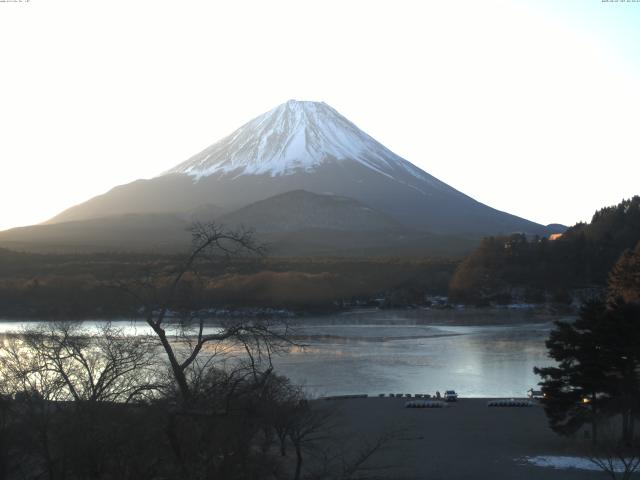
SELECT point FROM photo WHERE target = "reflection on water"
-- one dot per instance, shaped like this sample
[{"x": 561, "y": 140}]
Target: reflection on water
[
  {"x": 129, "y": 327},
  {"x": 478, "y": 353},
  {"x": 491, "y": 353}
]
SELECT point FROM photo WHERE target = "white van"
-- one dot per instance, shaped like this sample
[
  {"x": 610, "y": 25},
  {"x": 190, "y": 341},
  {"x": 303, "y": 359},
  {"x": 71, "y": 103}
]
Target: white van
[{"x": 450, "y": 396}]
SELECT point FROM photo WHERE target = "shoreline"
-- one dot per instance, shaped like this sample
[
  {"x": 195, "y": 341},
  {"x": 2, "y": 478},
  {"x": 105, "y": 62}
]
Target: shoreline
[
  {"x": 224, "y": 313},
  {"x": 470, "y": 316},
  {"x": 402, "y": 396}
]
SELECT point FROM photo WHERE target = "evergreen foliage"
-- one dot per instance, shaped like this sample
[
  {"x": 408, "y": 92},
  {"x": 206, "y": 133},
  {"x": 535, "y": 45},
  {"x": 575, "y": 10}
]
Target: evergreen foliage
[
  {"x": 624, "y": 279},
  {"x": 598, "y": 355},
  {"x": 581, "y": 258}
]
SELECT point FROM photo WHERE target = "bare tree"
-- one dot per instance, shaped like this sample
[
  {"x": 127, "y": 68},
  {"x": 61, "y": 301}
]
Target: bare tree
[
  {"x": 184, "y": 343},
  {"x": 5, "y": 443},
  {"x": 323, "y": 448},
  {"x": 615, "y": 457},
  {"x": 307, "y": 428},
  {"x": 63, "y": 362},
  {"x": 344, "y": 463},
  {"x": 219, "y": 367},
  {"x": 617, "y": 461},
  {"x": 66, "y": 382}
]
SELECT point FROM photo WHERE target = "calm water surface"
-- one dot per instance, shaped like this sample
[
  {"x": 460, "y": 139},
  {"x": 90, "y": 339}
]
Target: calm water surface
[{"x": 479, "y": 353}]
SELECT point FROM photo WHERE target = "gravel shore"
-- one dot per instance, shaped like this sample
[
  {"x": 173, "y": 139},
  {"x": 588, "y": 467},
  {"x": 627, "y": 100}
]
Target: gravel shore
[{"x": 465, "y": 440}]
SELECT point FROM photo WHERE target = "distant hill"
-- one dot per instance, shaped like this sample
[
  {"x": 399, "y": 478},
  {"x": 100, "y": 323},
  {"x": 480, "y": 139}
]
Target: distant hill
[
  {"x": 302, "y": 210},
  {"x": 556, "y": 228},
  {"x": 582, "y": 257},
  {"x": 326, "y": 242}
]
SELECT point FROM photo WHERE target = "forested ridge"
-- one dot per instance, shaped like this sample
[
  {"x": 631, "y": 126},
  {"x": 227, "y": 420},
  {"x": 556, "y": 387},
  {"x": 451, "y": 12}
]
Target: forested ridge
[
  {"x": 84, "y": 285},
  {"x": 504, "y": 268}
]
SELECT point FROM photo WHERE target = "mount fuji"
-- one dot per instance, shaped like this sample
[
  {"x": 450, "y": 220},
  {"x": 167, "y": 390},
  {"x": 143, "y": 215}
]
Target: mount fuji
[{"x": 300, "y": 146}]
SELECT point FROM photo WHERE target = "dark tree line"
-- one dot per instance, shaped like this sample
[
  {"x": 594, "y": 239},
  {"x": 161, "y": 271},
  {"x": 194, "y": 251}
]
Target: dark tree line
[
  {"x": 55, "y": 286},
  {"x": 598, "y": 372},
  {"x": 541, "y": 268}
]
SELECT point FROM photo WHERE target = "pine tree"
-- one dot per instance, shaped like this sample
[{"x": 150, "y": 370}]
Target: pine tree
[
  {"x": 575, "y": 390},
  {"x": 598, "y": 371},
  {"x": 620, "y": 340}
]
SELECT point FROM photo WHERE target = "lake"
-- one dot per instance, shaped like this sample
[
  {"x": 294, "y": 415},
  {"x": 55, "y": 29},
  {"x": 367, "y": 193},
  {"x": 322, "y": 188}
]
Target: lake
[{"x": 477, "y": 352}]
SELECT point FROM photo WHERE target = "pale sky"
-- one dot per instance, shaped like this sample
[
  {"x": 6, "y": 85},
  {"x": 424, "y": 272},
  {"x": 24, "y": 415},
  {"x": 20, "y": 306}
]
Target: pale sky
[{"x": 529, "y": 106}]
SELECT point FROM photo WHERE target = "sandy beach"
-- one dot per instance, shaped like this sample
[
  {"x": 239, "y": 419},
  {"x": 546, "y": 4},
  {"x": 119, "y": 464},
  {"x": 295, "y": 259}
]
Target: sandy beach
[{"x": 466, "y": 440}]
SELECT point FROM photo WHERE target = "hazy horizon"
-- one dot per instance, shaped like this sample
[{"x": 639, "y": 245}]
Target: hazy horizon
[{"x": 528, "y": 107}]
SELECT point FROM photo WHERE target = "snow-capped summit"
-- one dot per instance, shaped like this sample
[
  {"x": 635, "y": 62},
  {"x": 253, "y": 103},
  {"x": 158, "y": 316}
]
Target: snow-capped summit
[{"x": 295, "y": 136}]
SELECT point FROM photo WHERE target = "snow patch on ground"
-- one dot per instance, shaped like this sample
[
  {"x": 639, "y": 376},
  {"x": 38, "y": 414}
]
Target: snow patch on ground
[{"x": 564, "y": 463}]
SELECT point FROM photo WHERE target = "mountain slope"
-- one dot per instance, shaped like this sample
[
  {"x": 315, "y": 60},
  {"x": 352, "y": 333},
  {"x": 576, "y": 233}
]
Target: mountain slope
[
  {"x": 119, "y": 233},
  {"x": 296, "y": 223},
  {"x": 304, "y": 146},
  {"x": 298, "y": 210}
]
